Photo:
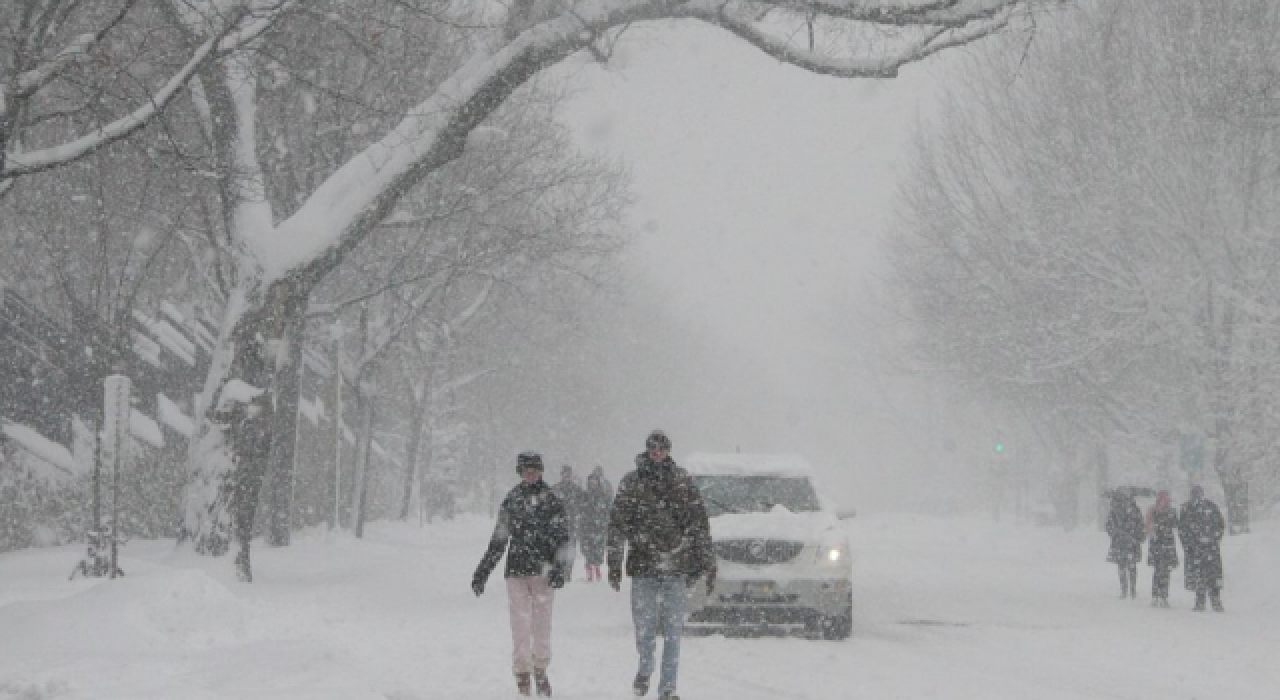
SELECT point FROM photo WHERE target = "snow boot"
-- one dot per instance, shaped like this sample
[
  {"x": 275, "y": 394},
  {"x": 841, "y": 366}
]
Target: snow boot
[
  {"x": 1215, "y": 599},
  {"x": 542, "y": 682},
  {"x": 1199, "y": 602},
  {"x": 522, "y": 683},
  {"x": 640, "y": 687}
]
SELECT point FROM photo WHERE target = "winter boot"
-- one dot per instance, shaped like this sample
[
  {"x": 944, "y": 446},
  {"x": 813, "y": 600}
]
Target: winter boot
[
  {"x": 522, "y": 683},
  {"x": 1199, "y": 602},
  {"x": 669, "y": 696},
  {"x": 543, "y": 683},
  {"x": 640, "y": 687},
  {"x": 1216, "y": 599}
]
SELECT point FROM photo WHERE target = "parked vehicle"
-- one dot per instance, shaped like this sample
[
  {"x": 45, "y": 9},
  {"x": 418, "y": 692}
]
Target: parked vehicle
[{"x": 782, "y": 557}]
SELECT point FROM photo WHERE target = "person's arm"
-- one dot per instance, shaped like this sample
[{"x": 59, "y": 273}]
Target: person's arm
[
  {"x": 1219, "y": 525},
  {"x": 497, "y": 547},
  {"x": 620, "y": 519},
  {"x": 558, "y": 530}
]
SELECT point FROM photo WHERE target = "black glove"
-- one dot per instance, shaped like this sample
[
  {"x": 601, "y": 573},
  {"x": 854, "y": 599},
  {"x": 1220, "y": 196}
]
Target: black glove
[
  {"x": 477, "y": 585},
  {"x": 615, "y": 579},
  {"x": 555, "y": 577}
]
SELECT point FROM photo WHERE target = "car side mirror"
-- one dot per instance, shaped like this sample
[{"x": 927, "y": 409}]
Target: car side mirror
[{"x": 846, "y": 513}]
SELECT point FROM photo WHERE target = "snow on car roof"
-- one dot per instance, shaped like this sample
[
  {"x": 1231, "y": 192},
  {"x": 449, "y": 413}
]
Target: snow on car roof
[{"x": 736, "y": 463}]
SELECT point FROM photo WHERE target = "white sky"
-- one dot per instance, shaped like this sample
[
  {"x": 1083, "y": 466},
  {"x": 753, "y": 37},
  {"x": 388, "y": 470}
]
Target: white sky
[{"x": 760, "y": 192}]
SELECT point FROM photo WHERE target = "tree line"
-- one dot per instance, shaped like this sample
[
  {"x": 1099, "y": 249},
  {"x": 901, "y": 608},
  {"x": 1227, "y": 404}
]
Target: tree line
[{"x": 1088, "y": 240}]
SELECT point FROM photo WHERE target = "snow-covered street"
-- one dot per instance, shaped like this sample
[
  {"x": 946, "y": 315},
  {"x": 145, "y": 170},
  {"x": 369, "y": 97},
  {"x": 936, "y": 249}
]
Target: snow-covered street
[{"x": 944, "y": 608}]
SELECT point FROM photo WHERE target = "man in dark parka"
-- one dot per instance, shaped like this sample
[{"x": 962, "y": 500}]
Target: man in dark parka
[
  {"x": 660, "y": 523},
  {"x": 1200, "y": 527}
]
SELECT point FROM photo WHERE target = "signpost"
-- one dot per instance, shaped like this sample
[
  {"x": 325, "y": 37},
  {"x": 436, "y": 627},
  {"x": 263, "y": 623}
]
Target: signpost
[
  {"x": 115, "y": 440},
  {"x": 102, "y": 556}
]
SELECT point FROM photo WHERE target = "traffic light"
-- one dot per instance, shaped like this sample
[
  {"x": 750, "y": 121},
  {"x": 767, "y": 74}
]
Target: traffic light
[{"x": 999, "y": 446}]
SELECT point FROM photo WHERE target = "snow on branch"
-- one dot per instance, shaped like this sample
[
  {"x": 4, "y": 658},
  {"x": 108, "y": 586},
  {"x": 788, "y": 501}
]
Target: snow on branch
[
  {"x": 58, "y": 460},
  {"x": 243, "y": 28},
  {"x": 931, "y": 38},
  {"x": 901, "y": 13},
  {"x": 363, "y": 192}
]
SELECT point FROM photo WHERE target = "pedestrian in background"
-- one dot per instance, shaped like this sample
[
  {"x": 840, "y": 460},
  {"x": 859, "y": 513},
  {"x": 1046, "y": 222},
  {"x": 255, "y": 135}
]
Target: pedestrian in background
[
  {"x": 571, "y": 495},
  {"x": 1127, "y": 530},
  {"x": 1162, "y": 547},
  {"x": 532, "y": 530},
  {"x": 594, "y": 522}
]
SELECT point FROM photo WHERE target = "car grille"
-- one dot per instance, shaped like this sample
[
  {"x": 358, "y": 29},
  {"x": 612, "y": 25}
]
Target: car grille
[{"x": 758, "y": 551}]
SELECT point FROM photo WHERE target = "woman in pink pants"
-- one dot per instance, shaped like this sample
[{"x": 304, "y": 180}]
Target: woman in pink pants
[{"x": 533, "y": 531}]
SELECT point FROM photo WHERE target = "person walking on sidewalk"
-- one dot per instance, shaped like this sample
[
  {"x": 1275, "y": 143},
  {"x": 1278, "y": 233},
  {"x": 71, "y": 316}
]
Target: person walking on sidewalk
[
  {"x": 571, "y": 495},
  {"x": 532, "y": 530},
  {"x": 594, "y": 523},
  {"x": 1126, "y": 528},
  {"x": 1162, "y": 547},
  {"x": 660, "y": 522},
  {"x": 1200, "y": 526}
]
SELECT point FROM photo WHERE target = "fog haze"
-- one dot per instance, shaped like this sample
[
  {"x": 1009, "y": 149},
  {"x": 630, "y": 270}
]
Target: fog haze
[{"x": 761, "y": 192}]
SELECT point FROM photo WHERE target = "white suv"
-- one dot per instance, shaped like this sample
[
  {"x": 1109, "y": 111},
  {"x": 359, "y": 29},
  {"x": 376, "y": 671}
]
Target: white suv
[{"x": 782, "y": 558}]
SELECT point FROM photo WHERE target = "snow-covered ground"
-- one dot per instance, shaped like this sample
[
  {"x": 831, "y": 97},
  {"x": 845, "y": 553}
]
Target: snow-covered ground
[{"x": 944, "y": 608}]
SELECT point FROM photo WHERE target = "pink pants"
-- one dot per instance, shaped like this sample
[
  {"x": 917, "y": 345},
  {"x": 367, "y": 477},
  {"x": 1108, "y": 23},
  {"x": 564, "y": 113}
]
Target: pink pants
[{"x": 531, "y": 599}]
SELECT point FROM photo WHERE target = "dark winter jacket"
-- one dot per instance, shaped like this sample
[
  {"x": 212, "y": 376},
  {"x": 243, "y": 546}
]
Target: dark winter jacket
[
  {"x": 1127, "y": 530},
  {"x": 594, "y": 523},
  {"x": 1200, "y": 526},
  {"x": 532, "y": 520},
  {"x": 659, "y": 512},
  {"x": 1162, "y": 546}
]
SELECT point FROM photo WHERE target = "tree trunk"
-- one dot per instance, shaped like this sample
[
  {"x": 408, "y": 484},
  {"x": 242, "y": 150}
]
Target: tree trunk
[
  {"x": 360, "y": 484},
  {"x": 229, "y": 453},
  {"x": 278, "y": 501},
  {"x": 417, "y": 409}
]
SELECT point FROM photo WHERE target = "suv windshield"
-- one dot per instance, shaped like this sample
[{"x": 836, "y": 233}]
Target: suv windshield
[{"x": 756, "y": 494}]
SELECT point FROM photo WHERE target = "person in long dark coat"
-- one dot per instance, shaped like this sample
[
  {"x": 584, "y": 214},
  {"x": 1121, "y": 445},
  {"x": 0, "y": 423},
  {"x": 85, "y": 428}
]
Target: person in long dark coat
[
  {"x": 1127, "y": 530},
  {"x": 1162, "y": 547},
  {"x": 596, "y": 502},
  {"x": 1200, "y": 527}
]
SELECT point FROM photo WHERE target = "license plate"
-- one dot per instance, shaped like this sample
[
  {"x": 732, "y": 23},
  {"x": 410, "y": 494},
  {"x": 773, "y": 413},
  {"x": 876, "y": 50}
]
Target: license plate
[{"x": 757, "y": 589}]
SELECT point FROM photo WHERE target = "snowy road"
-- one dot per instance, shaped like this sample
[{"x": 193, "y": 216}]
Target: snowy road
[{"x": 949, "y": 609}]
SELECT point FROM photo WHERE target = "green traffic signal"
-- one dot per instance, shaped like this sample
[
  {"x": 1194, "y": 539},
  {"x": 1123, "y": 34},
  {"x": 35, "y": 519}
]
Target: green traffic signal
[{"x": 999, "y": 447}]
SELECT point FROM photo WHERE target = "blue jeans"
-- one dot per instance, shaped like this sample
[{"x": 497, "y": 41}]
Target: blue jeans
[{"x": 659, "y": 598}]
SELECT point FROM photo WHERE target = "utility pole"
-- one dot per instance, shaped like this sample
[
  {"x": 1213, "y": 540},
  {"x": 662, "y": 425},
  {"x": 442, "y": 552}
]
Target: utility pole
[
  {"x": 115, "y": 441},
  {"x": 335, "y": 519}
]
